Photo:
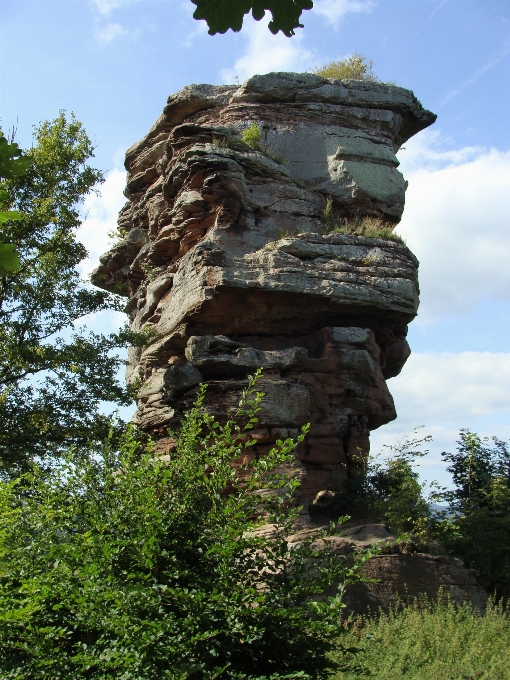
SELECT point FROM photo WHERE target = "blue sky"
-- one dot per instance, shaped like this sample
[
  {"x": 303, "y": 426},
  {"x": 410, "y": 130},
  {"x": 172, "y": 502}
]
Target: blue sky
[{"x": 114, "y": 62}]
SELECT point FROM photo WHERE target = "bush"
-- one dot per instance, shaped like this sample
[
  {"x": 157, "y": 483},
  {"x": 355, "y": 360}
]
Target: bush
[
  {"x": 429, "y": 642},
  {"x": 388, "y": 490},
  {"x": 355, "y": 67},
  {"x": 251, "y": 136},
  {"x": 477, "y": 526},
  {"x": 133, "y": 566}
]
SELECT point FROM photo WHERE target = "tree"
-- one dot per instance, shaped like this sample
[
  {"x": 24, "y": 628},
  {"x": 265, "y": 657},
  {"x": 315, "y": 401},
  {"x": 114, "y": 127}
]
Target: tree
[
  {"x": 221, "y": 15},
  {"x": 136, "y": 566},
  {"x": 386, "y": 488},
  {"x": 52, "y": 376},
  {"x": 11, "y": 165},
  {"x": 477, "y": 526}
]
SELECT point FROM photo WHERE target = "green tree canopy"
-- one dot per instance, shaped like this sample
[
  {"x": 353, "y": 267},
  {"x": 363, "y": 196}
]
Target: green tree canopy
[
  {"x": 477, "y": 529},
  {"x": 221, "y": 15},
  {"x": 52, "y": 376}
]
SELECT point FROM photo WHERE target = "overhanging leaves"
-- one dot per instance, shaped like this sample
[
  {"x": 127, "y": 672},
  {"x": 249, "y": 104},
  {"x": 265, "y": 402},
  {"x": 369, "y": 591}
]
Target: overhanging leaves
[
  {"x": 9, "y": 258},
  {"x": 10, "y": 165},
  {"x": 221, "y": 15}
]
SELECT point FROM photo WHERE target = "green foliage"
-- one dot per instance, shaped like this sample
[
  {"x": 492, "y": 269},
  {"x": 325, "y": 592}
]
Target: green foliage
[
  {"x": 477, "y": 528},
  {"x": 355, "y": 67},
  {"x": 251, "y": 136},
  {"x": 388, "y": 489},
  {"x": 133, "y": 566},
  {"x": 221, "y": 15},
  {"x": 429, "y": 642},
  {"x": 9, "y": 258},
  {"x": 52, "y": 377},
  {"x": 368, "y": 226},
  {"x": 11, "y": 165}
]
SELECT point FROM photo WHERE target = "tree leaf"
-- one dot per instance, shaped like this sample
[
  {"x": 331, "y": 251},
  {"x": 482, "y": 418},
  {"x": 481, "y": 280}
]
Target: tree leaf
[
  {"x": 10, "y": 215},
  {"x": 221, "y": 15},
  {"x": 10, "y": 165},
  {"x": 9, "y": 259}
]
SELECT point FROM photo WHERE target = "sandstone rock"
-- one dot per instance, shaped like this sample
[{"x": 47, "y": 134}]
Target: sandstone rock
[
  {"x": 393, "y": 574},
  {"x": 405, "y": 577},
  {"x": 228, "y": 259}
]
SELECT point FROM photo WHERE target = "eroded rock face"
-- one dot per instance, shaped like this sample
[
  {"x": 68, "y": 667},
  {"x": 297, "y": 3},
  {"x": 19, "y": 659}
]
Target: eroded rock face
[
  {"x": 226, "y": 257},
  {"x": 395, "y": 575}
]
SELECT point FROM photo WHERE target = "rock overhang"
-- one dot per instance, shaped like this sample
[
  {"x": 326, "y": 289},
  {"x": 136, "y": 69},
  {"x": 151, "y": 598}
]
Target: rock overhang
[{"x": 230, "y": 242}]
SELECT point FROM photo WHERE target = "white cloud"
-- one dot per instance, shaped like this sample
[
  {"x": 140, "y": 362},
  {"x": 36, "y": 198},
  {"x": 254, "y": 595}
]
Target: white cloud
[
  {"x": 106, "y": 7},
  {"x": 457, "y": 222},
  {"x": 452, "y": 387},
  {"x": 430, "y": 150},
  {"x": 335, "y": 10},
  {"x": 101, "y": 217},
  {"x": 109, "y": 32},
  {"x": 266, "y": 52},
  {"x": 446, "y": 392}
]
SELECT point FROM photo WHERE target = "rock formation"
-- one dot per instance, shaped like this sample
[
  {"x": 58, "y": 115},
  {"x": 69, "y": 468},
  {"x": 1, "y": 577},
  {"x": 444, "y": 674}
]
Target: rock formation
[{"x": 227, "y": 257}]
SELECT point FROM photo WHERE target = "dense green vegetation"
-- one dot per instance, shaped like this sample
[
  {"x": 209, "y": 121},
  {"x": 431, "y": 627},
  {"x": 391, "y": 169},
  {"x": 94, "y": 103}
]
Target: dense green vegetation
[
  {"x": 130, "y": 566},
  {"x": 479, "y": 529},
  {"x": 12, "y": 164},
  {"x": 428, "y": 641},
  {"x": 53, "y": 376},
  {"x": 475, "y": 525}
]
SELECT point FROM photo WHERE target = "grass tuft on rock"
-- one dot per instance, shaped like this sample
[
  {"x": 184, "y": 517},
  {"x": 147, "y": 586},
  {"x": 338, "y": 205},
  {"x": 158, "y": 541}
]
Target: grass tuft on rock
[
  {"x": 355, "y": 67},
  {"x": 363, "y": 225}
]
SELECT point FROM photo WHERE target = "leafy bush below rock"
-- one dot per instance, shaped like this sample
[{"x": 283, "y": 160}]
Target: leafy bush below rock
[{"x": 131, "y": 566}]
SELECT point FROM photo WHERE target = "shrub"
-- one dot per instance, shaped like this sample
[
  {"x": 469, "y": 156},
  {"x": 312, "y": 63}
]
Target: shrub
[
  {"x": 387, "y": 489},
  {"x": 251, "y": 136},
  {"x": 477, "y": 527},
  {"x": 132, "y": 566},
  {"x": 427, "y": 641},
  {"x": 355, "y": 67},
  {"x": 368, "y": 226}
]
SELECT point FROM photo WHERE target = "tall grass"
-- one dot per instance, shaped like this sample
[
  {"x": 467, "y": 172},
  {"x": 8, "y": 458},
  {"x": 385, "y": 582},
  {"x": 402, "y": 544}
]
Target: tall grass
[{"x": 428, "y": 641}]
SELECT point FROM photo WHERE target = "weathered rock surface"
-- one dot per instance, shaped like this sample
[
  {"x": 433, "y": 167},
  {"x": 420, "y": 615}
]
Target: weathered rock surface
[
  {"x": 401, "y": 576},
  {"x": 227, "y": 259},
  {"x": 398, "y": 573}
]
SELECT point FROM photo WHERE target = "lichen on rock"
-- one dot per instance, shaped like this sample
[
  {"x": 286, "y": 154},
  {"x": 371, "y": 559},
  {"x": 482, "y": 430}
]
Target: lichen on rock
[{"x": 227, "y": 257}]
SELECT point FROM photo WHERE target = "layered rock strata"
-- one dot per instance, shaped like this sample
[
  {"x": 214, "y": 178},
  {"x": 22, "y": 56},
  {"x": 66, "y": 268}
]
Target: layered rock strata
[{"x": 226, "y": 257}]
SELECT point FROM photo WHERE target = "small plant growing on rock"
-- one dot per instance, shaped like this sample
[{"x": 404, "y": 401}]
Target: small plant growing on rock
[
  {"x": 252, "y": 136},
  {"x": 367, "y": 225},
  {"x": 355, "y": 67}
]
